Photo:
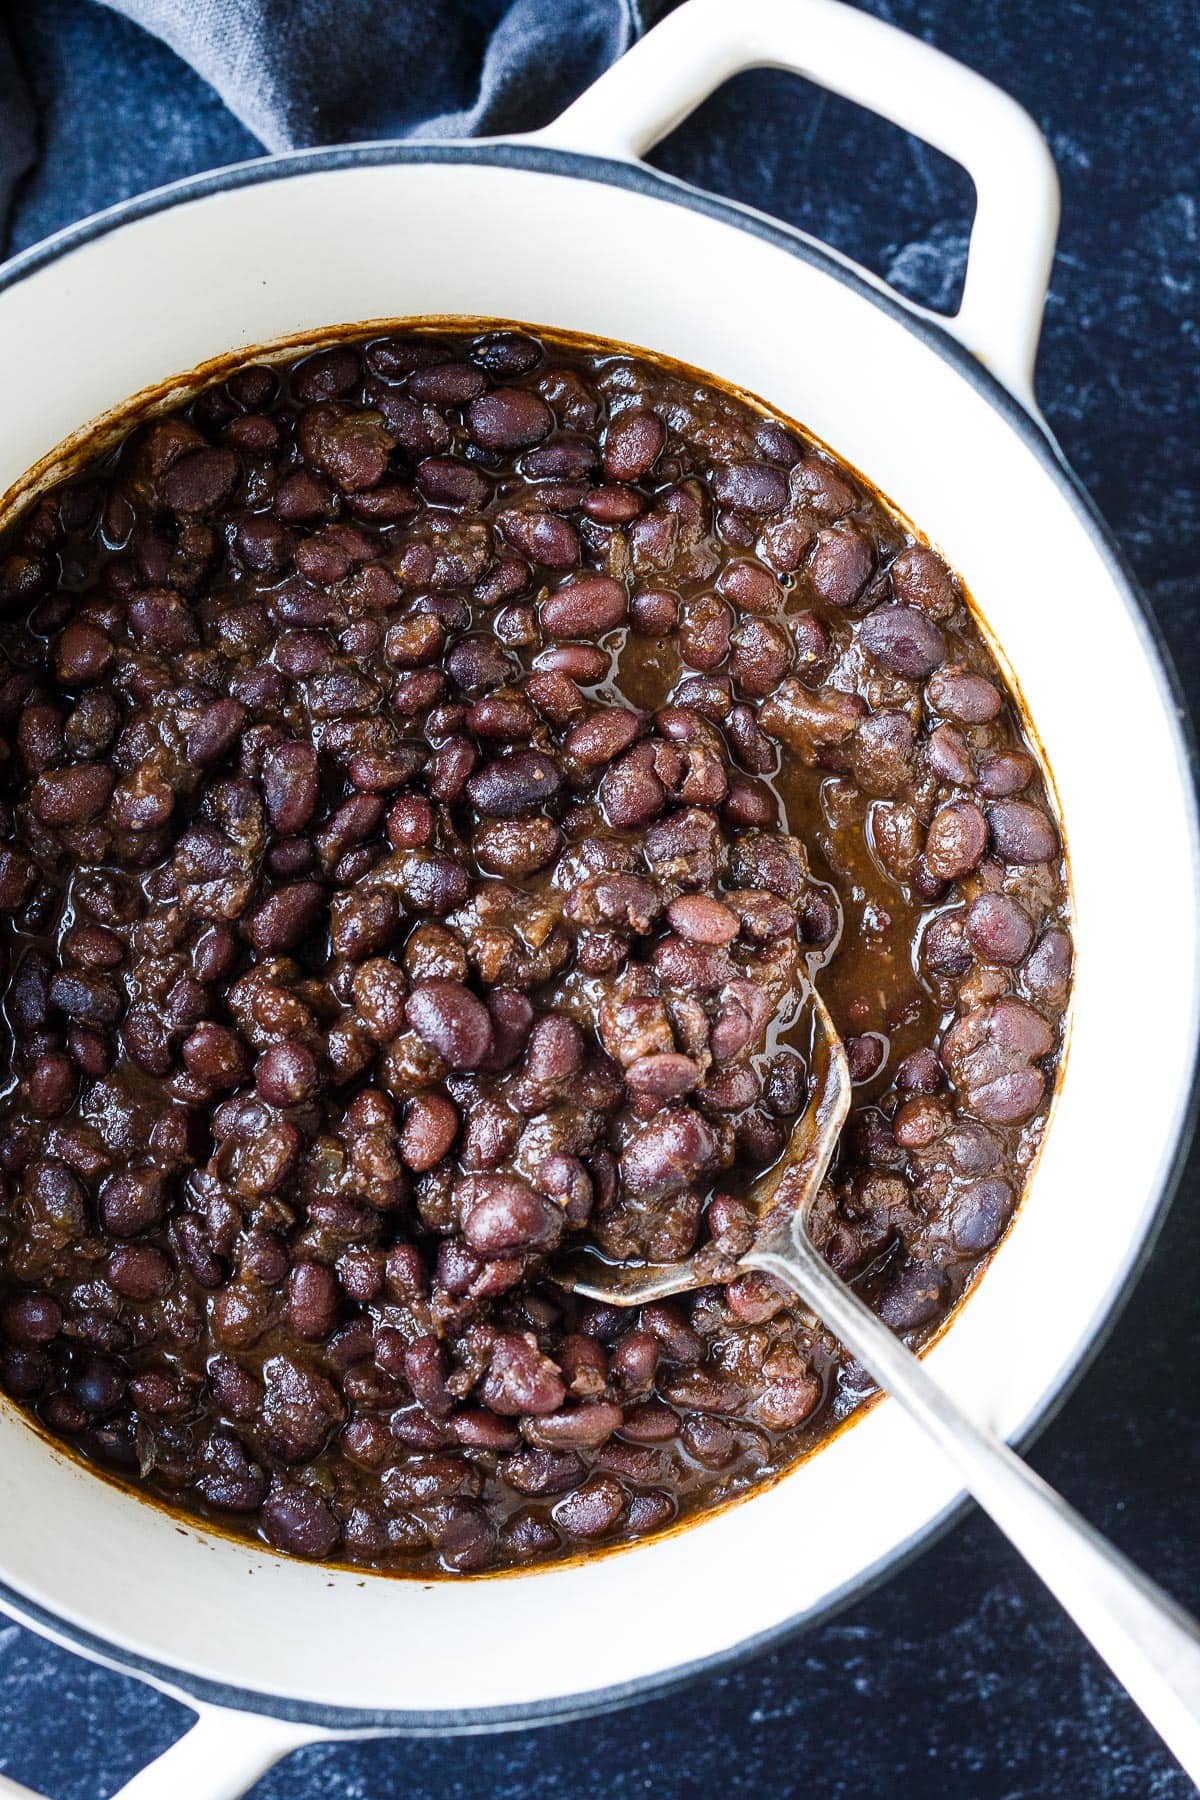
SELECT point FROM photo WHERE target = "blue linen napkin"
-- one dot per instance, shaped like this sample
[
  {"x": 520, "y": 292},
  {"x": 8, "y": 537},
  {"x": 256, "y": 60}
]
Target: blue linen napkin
[
  {"x": 16, "y": 129},
  {"x": 302, "y": 72}
]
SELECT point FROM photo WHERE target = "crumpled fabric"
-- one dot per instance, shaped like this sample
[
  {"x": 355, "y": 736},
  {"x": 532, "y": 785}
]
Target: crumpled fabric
[
  {"x": 303, "y": 72},
  {"x": 17, "y": 137}
]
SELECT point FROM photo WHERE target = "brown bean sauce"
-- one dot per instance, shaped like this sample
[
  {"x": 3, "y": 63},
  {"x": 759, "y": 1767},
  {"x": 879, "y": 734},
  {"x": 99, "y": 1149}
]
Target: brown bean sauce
[{"x": 430, "y": 768}]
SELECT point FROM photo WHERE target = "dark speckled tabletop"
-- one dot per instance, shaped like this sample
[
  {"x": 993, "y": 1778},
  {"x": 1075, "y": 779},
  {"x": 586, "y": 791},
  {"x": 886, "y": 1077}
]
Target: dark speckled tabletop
[{"x": 959, "y": 1676}]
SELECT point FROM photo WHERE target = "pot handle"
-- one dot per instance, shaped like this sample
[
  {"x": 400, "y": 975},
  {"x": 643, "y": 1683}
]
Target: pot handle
[
  {"x": 678, "y": 64},
  {"x": 220, "y": 1757}
]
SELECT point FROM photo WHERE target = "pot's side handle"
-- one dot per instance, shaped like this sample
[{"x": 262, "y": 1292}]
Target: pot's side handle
[
  {"x": 681, "y": 61},
  {"x": 219, "y": 1758}
]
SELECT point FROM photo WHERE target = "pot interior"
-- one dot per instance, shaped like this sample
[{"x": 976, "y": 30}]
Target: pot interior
[{"x": 558, "y": 243}]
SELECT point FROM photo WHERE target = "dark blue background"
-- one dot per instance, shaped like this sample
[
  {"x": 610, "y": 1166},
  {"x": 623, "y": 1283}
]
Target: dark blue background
[{"x": 959, "y": 1676}]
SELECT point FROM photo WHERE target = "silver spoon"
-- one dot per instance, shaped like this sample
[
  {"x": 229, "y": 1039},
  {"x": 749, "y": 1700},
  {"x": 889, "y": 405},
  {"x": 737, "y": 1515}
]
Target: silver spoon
[{"x": 1148, "y": 1641}]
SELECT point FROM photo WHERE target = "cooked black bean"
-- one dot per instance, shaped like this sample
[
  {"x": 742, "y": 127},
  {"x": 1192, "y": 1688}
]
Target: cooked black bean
[
  {"x": 1005, "y": 772},
  {"x": 31, "y": 1319},
  {"x": 839, "y": 566},
  {"x": 509, "y": 419},
  {"x": 297, "y": 1520},
  {"x": 905, "y": 640},
  {"x": 582, "y": 1427},
  {"x": 956, "y": 840},
  {"x": 981, "y": 1211},
  {"x": 998, "y": 929},
  {"x": 920, "y": 578},
  {"x": 602, "y": 735},
  {"x": 139, "y": 1271},
  {"x": 542, "y": 537},
  {"x": 132, "y": 1201},
  {"x": 72, "y": 796},
  {"x": 502, "y": 1214},
  {"x": 585, "y": 607},
  {"x": 633, "y": 443},
  {"x": 972, "y": 699},
  {"x": 1022, "y": 833},
  {"x": 750, "y": 487},
  {"x": 451, "y": 1021},
  {"x": 592, "y": 1510},
  {"x": 506, "y": 353},
  {"x": 445, "y": 482},
  {"x": 521, "y": 1382},
  {"x": 430, "y": 775},
  {"x": 430, "y": 1128},
  {"x": 512, "y": 784}
]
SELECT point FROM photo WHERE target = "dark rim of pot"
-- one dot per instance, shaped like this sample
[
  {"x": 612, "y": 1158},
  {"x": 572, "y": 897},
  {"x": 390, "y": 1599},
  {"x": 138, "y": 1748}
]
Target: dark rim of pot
[{"x": 638, "y": 178}]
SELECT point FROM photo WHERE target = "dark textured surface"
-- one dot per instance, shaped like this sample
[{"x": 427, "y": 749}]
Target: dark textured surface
[{"x": 959, "y": 1676}]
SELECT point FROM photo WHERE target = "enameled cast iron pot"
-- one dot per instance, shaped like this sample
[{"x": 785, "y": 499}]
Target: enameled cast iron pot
[{"x": 568, "y": 228}]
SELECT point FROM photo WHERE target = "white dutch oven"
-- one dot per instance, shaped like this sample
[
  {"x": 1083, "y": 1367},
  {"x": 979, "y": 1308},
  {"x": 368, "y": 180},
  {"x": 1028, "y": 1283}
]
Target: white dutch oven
[{"x": 567, "y": 228}]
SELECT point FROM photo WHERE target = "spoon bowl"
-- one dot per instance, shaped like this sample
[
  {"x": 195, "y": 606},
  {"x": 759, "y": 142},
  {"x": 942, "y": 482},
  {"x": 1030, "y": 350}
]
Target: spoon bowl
[
  {"x": 781, "y": 1197},
  {"x": 1149, "y": 1642}
]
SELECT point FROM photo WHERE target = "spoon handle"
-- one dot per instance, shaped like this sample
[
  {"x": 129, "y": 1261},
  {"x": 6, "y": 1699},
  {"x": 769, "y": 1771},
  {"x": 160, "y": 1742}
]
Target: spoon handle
[{"x": 1148, "y": 1641}]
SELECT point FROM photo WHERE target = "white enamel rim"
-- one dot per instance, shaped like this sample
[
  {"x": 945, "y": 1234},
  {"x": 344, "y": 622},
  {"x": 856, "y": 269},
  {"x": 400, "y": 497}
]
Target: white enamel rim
[{"x": 148, "y": 292}]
